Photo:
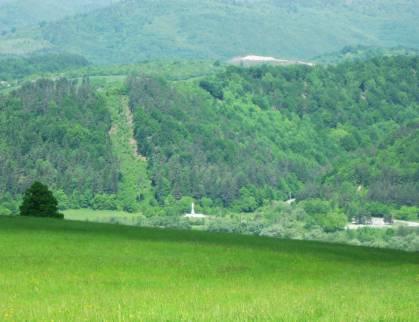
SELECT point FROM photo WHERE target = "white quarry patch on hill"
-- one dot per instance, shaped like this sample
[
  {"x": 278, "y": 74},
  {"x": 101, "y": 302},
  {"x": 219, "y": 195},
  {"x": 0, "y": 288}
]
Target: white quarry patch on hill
[{"x": 255, "y": 59}]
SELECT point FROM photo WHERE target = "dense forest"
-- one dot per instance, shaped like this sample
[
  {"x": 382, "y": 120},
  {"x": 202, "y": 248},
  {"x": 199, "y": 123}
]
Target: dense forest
[
  {"x": 341, "y": 139},
  {"x": 17, "y": 67},
  {"x": 56, "y": 131},
  {"x": 198, "y": 146},
  {"x": 347, "y": 133}
]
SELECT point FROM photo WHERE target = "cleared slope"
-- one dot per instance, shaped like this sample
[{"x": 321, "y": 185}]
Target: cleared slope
[
  {"x": 134, "y": 184},
  {"x": 56, "y": 270}
]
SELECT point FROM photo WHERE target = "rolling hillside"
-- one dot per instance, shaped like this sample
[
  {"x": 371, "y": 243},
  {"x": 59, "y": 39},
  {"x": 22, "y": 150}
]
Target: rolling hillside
[
  {"x": 238, "y": 138},
  {"x": 15, "y": 14},
  {"x": 265, "y": 131},
  {"x": 209, "y": 160},
  {"x": 135, "y": 30},
  {"x": 341, "y": 139},
  {"x": 81, "y": 271}
]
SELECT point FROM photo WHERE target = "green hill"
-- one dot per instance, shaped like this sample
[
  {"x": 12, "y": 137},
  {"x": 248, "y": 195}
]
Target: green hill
[
  {"x": 15, "y": 14},
  {"x": 263, "y": 132},
  {"x": 53, "y": 270},
  {"x": 237, "y": 141},
  {"x": 135, "y": 30}
]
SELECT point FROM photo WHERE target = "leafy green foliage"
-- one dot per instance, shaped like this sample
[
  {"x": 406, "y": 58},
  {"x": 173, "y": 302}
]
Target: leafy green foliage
[
  {"x": 390, "y": 172},
  {"x": 359, "y": 53},
  {"x": 213, "y": 88},
  {"x": 56, "y": 132},
  {"x": 19, "y": 67},
  {"x": 408, "y": 213},
  {"x": 201, "y": 147},
  {"x": 231, "y": 141},
  {"x": 346, "y": 133},
  {"x": 38, "y": 201},
  {"x": 322, "y": 213}
]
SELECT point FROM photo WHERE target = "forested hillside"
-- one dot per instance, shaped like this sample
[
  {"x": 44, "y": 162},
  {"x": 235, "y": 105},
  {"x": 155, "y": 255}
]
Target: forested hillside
[
  {"x": 249, "y": 135},
  {"x": 237, "y": 139},
  {"x": 202, "y": 146},
  {"x": 56, "y": 132},
  {"x": 15, "y": 14},
  {"x": 16, "y": 67},
  {"x": 136, "y": 30}
]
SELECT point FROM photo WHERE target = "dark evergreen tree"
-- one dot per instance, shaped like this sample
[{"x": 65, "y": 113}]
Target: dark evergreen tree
[{"x": 39, "y": 201}]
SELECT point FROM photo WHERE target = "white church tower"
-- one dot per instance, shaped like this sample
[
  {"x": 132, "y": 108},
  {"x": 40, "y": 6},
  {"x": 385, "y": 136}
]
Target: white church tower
[{"x": 194, "y": 215}]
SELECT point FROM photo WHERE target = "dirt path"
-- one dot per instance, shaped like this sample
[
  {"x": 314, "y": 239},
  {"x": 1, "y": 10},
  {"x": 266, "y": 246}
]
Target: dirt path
[{"x": 130, "y": 123}]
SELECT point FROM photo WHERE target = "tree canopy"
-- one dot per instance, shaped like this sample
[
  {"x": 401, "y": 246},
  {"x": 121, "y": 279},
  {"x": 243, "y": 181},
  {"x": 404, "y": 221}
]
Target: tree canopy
[
  {"x": 234, "y": 139},
  {"x": 56, "y": 132},
  {"x": 38, "y": 201},
  {"x": 251, "y": 134}
]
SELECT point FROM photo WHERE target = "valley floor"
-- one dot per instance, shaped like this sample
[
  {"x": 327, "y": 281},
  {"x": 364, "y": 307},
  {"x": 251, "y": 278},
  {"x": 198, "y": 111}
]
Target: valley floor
[
  {"x": 401, "y": 235},
  {"x": 74, "y": 271}
]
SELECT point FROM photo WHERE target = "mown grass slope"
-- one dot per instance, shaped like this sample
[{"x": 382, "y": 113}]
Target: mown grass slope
[{"x": 69, "y": 271}]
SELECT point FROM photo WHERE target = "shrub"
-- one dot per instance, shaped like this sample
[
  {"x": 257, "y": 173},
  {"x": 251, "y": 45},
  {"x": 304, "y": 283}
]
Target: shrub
[{"x": 39, "y": 201}]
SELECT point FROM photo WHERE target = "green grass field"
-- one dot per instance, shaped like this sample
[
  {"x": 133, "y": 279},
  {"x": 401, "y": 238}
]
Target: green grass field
[{"x": 54, "y": 270}]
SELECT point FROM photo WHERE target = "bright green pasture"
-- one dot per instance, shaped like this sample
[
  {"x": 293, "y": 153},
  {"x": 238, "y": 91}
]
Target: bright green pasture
[{"x": 75, "y": 271}]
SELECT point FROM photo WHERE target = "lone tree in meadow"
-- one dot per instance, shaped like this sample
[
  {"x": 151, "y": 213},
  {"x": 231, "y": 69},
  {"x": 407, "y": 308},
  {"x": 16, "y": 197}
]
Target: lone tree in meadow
[{"x": 39, "y": 201}]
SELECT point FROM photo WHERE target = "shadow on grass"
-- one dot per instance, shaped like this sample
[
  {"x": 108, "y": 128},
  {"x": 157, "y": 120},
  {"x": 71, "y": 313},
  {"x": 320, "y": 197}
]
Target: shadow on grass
[{"x": 326, "y": 251}]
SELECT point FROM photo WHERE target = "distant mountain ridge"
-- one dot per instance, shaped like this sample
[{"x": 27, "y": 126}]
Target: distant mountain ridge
[
  {"x": 133, "y": 30},
  {"x": 18, "y": 13}
]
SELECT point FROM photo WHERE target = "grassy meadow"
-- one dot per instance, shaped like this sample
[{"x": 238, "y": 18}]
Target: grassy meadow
[{"x": 54, "y": 270}]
